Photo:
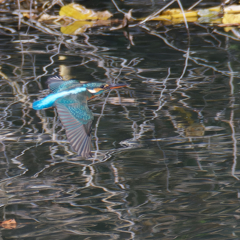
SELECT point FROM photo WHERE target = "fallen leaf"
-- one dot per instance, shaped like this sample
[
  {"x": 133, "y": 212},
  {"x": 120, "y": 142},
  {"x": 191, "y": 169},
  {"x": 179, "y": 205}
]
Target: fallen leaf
[
  {"x": 81, "y": 26},
  {"x": 232, "y": 9},
  {"x": 9, "y": 224},
  {"x": 195, "y": 130},
  {"x": 175, "y": 15},
  {"x": 231, "y": 18},
  {"x": 227, "y": 29},
  {"x": 79, "y": 12}
]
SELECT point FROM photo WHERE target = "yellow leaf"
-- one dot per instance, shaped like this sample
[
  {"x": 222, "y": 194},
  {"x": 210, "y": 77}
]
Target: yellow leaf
[
  {"x": 79, "y": 12},
  {"x": 81, "y": 26},
  {"x": 175, "y": 15},
  {"x": 227, "y": 29},
  {"x": 77, "y": 27},
  {"x": 231, "y": 18},
  {"x": 232, "y": 9},
  {"x": 215, "y": 9}
]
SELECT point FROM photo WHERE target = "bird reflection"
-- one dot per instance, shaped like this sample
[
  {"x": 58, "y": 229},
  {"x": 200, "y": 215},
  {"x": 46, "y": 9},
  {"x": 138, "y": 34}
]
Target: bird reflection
[{"x": 70, "y": 98}]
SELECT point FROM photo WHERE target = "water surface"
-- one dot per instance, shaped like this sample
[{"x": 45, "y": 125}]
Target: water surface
[{"x": 165, "y": 150}]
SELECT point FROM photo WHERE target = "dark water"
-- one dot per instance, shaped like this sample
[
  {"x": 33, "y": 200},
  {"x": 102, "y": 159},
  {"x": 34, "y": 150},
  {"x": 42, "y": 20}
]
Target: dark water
[{"x": 165, "y": 160}]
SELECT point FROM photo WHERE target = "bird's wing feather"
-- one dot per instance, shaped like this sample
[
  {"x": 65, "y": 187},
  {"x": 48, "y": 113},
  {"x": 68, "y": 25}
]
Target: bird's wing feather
[
  {"x": 56, "y": 84},
  {"x": 77, "y": 121}
]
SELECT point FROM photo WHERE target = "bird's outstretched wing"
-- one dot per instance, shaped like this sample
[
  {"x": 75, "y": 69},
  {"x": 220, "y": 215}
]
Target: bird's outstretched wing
[
  {"x": 56, "y": 84},
  {"x": 76, "y": 118}
]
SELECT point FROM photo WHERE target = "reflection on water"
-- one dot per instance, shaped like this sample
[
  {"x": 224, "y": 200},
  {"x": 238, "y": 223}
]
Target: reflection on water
[{"x": 165, "y": 162}]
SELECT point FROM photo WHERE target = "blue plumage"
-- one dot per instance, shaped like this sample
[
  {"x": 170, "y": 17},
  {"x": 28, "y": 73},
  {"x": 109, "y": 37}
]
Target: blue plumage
[{"x": 51, "y": 98}]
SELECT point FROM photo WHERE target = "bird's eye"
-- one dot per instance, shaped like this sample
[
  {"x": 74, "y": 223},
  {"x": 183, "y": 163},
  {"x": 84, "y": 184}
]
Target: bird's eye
[{"x": 102, "y": 86}]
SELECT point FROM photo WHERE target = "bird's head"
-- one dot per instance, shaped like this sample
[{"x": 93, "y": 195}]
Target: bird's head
[{"x": 98, "y": 88}]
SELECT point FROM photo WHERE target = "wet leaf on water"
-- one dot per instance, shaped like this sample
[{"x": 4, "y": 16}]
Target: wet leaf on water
[
  {"x": 232, "y": 9},
  {"x": 231, "y": 18},
  {"x": 75, "y": 18},
  {"x": 81, "y": 26},
  {"x": 9, "y": 224},
  {"x": 208, "y": 15},
  {"x": 79, "y": 12},
  {"x": 225, "y": 16},
  {"x": 175, "y": 15},
  {"x": 195, "y": 130},
  {"x": 184, "y": 114},
  {"x": 49, "y": 19}
]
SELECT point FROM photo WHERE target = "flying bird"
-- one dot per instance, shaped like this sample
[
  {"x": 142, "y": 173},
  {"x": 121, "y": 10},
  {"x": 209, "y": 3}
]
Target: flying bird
[{"x": 70, "y": 98}]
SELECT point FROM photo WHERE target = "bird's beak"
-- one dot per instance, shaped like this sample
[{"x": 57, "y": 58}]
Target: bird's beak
[{"x": 114, "y": 86}]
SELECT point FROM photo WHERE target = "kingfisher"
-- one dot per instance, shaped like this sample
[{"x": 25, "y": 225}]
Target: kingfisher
[{"x": 70, "y": 98}]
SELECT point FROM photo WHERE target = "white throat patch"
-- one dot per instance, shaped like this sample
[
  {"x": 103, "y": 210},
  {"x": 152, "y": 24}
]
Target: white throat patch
[{"x": 92, "y": 90}]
